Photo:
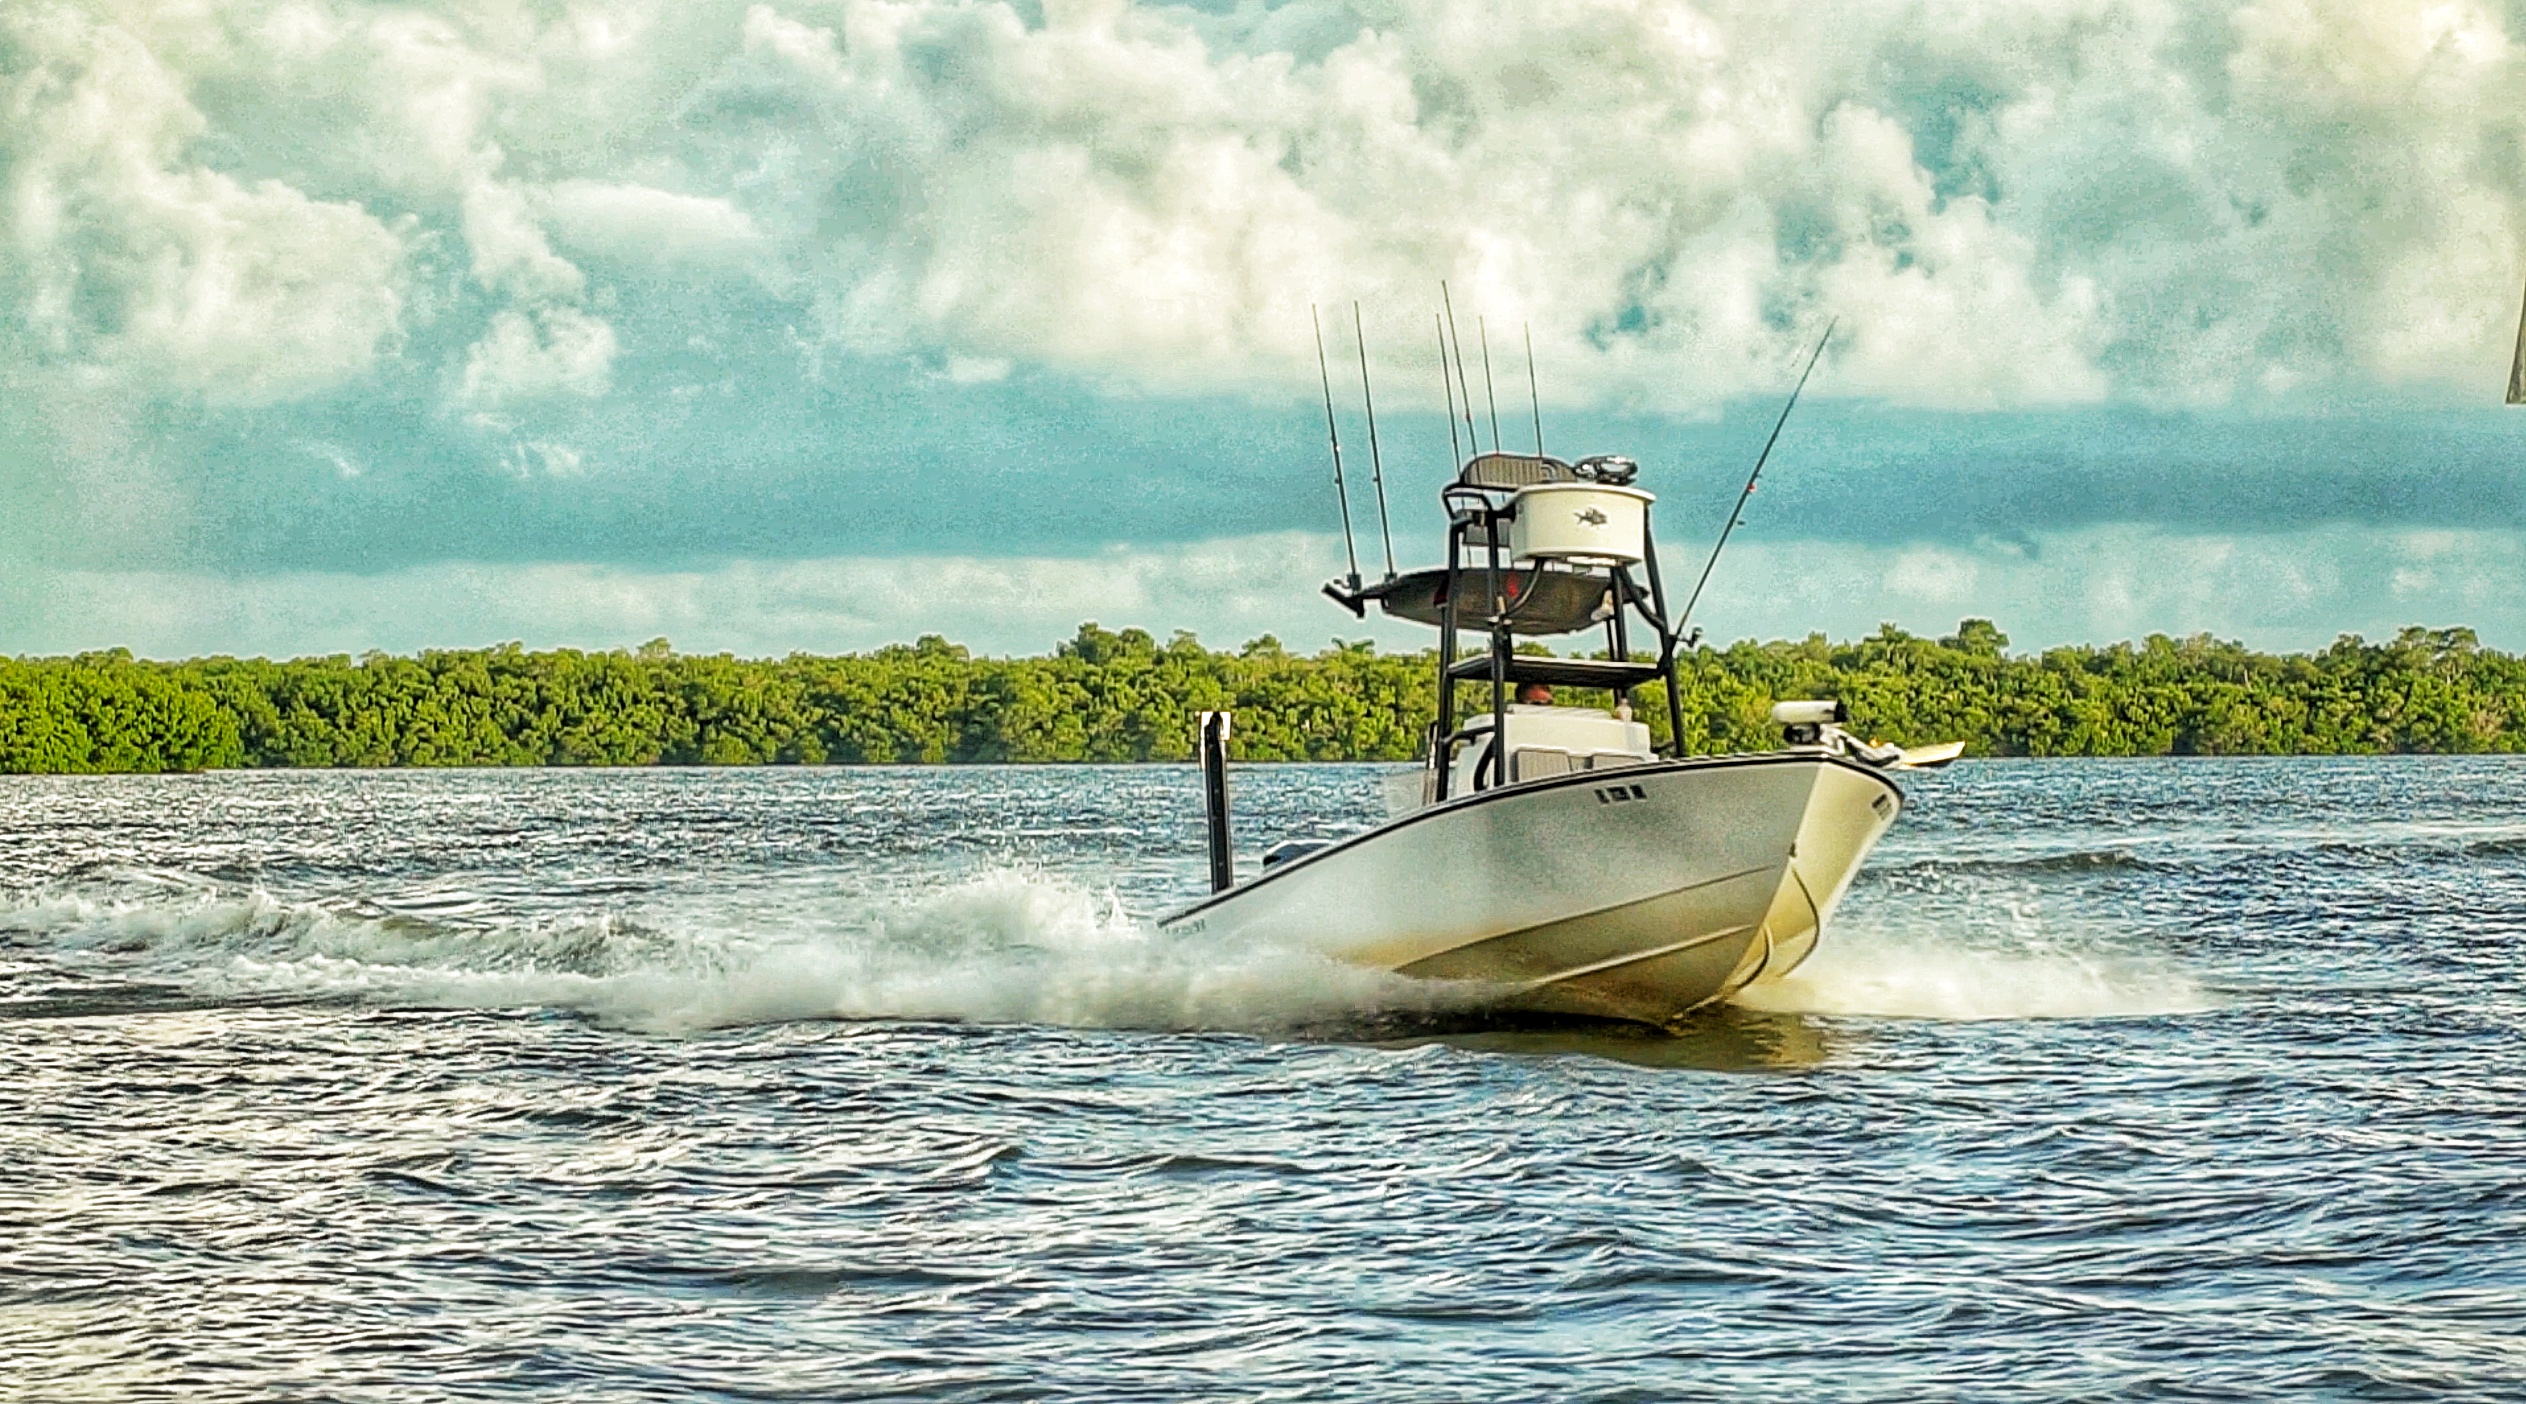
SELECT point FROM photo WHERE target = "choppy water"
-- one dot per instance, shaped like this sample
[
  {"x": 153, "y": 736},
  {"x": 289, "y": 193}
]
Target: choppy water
[{"x": 2182, "y": 1079}]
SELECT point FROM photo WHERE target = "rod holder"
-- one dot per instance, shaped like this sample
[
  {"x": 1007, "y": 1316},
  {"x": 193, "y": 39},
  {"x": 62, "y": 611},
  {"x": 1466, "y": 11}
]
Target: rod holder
[{"x": 1214, "y": 749}]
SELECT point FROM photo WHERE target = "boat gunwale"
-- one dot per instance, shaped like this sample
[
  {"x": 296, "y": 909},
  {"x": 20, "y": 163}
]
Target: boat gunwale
[{"x": 1462, "y": 803}]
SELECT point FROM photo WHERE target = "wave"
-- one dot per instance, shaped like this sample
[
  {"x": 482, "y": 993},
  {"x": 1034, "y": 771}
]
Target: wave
[
  {"x": 2396, "y": 842},
  {"x": 1001, "y": 947},
  {"x": 1891, "y": 972},
  {"x": 2076, "y": 861},
  {"x": 2425, "y": 842},
  {"x": 1005, "y": 946}
]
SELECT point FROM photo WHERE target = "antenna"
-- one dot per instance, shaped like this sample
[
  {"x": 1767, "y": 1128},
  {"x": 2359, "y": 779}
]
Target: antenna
[
  {"x": 1482, "y": 329},
  {"x": 1737, "y": 513},
  {"x": 1472, "y": 440},
  {"x": 1340, "y": 492},
  {"x": 1376, "y": 466},
  {"x": 1455, "y": 455},
  {"x": 1533, "y": 401}
]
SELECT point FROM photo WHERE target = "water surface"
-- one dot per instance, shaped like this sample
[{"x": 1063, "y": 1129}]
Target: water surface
[{"x": 2195, "y": 1079}]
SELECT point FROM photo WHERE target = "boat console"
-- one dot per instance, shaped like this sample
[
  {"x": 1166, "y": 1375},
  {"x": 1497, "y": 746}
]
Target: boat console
[{"x": 1543, "y": 741}]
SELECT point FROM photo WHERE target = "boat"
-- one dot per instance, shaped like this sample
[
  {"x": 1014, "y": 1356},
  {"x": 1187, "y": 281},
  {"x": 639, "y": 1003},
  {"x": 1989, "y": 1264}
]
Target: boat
[{"x": 1546, "y": 855}]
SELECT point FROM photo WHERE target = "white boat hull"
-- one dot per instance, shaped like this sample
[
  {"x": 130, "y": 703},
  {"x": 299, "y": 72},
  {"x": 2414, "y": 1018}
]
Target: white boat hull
[{"x": 1640, "y": 893}]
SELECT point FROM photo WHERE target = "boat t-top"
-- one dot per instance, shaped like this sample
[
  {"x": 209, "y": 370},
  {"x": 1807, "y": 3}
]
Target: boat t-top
[{"x": 1546, "y": 851}]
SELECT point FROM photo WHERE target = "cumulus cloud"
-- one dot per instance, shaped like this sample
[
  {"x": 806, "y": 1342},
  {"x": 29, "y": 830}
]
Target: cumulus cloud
[
  {"x": 1671, "y": 199},
  {"x": 761, "y": 252},
  {"x": 2005, "y": 203},
  {"x": 121, "y": 253},
  {"x": 510, "y": 251},
  {"x": 553, "y": 351},
  {"x": 634, "y": 224}
]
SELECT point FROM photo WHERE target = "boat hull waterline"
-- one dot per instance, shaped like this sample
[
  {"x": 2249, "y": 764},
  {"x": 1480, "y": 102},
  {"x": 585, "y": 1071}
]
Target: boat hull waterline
[{"x": 1639, "y": 893}]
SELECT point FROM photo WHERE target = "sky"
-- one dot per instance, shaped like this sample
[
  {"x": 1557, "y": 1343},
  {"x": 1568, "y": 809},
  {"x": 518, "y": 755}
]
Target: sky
[{"x": 822, "y": 324}]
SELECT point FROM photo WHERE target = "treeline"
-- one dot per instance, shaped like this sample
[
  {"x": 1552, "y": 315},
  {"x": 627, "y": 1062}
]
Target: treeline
[{"x": 1124, "y": 696}]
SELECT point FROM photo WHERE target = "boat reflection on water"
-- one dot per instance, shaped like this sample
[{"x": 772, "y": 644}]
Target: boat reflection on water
[{"x": 1726, "y": 1039}]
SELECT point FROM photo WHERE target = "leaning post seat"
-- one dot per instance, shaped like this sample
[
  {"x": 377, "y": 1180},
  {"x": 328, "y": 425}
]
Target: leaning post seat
[{"x": 1507, "y": 472}]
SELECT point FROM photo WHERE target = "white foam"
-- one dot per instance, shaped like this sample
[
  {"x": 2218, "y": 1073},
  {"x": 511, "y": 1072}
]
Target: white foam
[
  {"x": 1013, "y": 947},
  {"x": 1005, "y": 946},
  {"x": 1865, "y": 970}
]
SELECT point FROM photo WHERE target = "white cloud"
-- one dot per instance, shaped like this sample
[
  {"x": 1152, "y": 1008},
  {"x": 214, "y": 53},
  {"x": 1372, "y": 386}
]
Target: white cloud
[
  {"x": 976, "y": 370},
  {"x": 2006, "y": 203},
  {"x": 1229, "y": 591},
  {"x": 510, "y": 251},
  {"x": 639, "y": 224},
  {"x": 1931, "y": 577},
  {"x": 122, "y": 256},
  {"x": 2293, "y": 590},
  {"x": 484, "y": 208},
  {"x": 528, "y": 356},
  {"x": 531, "y": 458}
]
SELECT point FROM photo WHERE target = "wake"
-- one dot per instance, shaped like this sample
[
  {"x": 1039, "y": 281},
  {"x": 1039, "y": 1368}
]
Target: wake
[{"x": 1003, "y": 947}]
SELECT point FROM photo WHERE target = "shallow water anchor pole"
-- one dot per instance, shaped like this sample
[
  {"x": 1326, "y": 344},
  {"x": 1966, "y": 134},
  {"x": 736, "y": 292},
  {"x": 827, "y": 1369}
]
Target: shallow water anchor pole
[{"x": 1214, "y": 747}]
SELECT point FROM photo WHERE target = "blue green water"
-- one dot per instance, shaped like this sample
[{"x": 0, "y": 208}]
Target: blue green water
[{"x": 2193, "y": 1079}]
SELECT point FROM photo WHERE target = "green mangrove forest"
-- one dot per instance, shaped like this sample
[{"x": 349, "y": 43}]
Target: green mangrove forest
[{"x": 1123, "y": 695}]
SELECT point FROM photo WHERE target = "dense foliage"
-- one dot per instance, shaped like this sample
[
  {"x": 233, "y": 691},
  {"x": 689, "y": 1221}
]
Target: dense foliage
[{"x": 1106, "y": 696}]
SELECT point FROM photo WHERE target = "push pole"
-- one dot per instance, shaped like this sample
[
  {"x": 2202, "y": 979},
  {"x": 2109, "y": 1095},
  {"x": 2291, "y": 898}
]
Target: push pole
[{"x": 1214, "y": 747}]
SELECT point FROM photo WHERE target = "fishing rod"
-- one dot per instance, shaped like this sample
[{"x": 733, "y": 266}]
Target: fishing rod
[
  {"x": 1472, "y": 440},
  {"x": 1455, "y": 455},
  {"x": 1340, "y": 491},
  {"x": 1376, "y": 465},
  {"x": 1533, "y": 401},
  {"x": 1482, "y": 329},
  {"x": 1736, "y": 514}
]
